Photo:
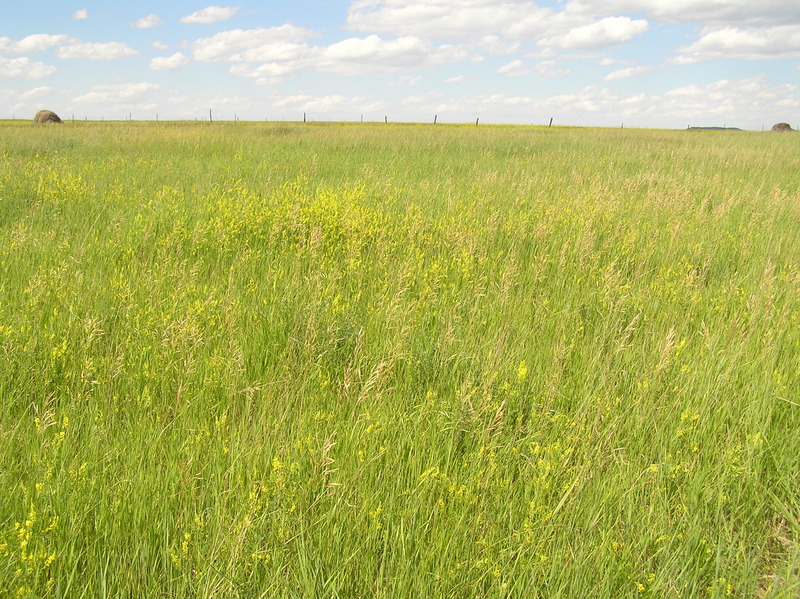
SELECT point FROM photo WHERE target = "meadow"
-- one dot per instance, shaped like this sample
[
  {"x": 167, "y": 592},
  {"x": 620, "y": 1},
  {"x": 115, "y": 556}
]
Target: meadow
[{"x": 369, "y": 360}]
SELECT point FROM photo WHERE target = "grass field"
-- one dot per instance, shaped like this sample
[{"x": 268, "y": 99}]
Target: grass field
[{"x": 327, "y": 360}]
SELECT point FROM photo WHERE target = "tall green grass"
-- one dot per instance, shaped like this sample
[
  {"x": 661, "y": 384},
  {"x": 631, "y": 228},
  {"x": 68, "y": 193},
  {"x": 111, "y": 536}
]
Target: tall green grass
[{"x": 284, "y": 360}]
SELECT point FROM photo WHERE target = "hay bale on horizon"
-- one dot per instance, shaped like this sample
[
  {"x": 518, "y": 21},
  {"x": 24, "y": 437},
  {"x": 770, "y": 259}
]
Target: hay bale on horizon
[
  {"x": 46, "y": 116},
  {"x": 780, "y": 127}
]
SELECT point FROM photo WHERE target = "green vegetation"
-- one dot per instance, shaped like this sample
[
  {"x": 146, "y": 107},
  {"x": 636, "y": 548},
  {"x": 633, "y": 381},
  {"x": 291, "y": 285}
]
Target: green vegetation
[{"x": 286, "y": 360}]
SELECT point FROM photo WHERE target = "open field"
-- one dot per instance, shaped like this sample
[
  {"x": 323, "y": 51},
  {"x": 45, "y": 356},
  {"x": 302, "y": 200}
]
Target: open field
[{"x": 287, "y": 360}]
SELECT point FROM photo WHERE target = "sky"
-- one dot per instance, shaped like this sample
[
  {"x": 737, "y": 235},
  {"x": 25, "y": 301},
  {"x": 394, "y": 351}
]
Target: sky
[{"x": 609, "y": 63}]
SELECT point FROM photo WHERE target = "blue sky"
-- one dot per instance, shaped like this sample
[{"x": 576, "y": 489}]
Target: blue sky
[{"x": 641, "y": 63}]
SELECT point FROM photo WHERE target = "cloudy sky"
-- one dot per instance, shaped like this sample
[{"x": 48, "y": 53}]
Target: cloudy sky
[{"x": 641, "y": 63}]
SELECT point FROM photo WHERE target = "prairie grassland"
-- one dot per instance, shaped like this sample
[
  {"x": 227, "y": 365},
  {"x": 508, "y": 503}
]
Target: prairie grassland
[{"x": 284, "y": 360}]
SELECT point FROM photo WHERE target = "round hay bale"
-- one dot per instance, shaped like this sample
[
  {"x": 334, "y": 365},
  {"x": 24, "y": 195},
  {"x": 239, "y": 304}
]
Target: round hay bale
[
  {"x": 46, "y": 116},
  {"x": 782, "y": 127}
]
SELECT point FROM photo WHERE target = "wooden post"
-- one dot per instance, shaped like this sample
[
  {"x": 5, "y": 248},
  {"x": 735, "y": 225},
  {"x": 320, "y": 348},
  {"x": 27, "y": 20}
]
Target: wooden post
[
  {"x": 476, "y": 120},
  {"x": 210, "y": 120},
  {"x": 551, "y": 122},
  {"x": 435, "y": 116},
  {"x": 386, "y": 120},
  {"x": 304, "y": 117}
]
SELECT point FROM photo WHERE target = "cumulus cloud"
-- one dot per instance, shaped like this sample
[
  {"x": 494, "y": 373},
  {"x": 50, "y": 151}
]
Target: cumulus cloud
[
  {"x": 284, "y": 50},
  {"x": 80, "y": 15},
  {"x": 742, "y": 44},
  {"x": 37, "y": 42},
  {"x": 607, "y": 62},
  {"x": 515, "y": 68},
  {"x": 110, "y": 93},
  {"x": 447, "y": 20},
  {"x": 95, "y": 51},
  {"x": 405, "y": 81},
  {"x": 736, "y": 99},
  {"x": 494, "y": 44},
  {"x": 169, "y": 63},
  {"x": 627, "y": 73},
  {"x": 265, "y": 74},
  {"x": 373, "y": 55},
  {"x": 159, "y": 46},
  {"x": 323, "y": 104},
  {"x": 693, "y": 11},
  {"x": 494, "y": 27},
  {"x": 605, "y": 32},
  {"x": 148, "y": 22},
  {"x": 210, "y": 14},
  {"x": 372, "y": 50},
  {"x": 35, "y": 92},
  {"x": 549, "y": 69},
  {"x": 25, "y": 68},
  {"x": 253, "y": 45},
  {"x": 727, "y": 99}
]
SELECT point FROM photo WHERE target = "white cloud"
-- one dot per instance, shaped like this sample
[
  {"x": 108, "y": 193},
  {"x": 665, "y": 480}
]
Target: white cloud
[
  {"x": 494, "y": 44},
  {"x": 694, "y": 11},
  {"x": 148, "y": 22},
  {"x": 627, "y": 73},
  {"x": 737, "y": 101},
  {"x": 734, "y": 43},
  {"x": 37, "y": 42},
  {"x": 80, "y": 15},
  {"x": 169, "y": 63},
  {"x": 326, "y": 103},
  {"x": 607, "y": 62},
  {"x": 405, "y": 81},
  {"x": 549, "y": 69},
  {"x": 210, "y": 14},
  {"x": 456, "y": 79},
  {"x": 608, "y": 31},
  {"x": 284, "y": 50},
  {"x": 544, "y": 69},
  {"x": 515, "y": 68},
  {"x": 589, "y": 99},
  {"x": 265, "y": 74},
  {"x": 485, "y": 21},
  {"x": 373, "y": 55},
  {"x": 23, "y": 67},
  {"x": 159, "y": 46},
  {"x": 323, "y": 104},
  {"x": 110, "y": 93},
  {"x": 428, "y": 98},
  {"x": 253, "y": 45},
  {"x": 95, "y": 51},
  {"x": 494, "y": 27},
  {"x": 35, "y": 92}
]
